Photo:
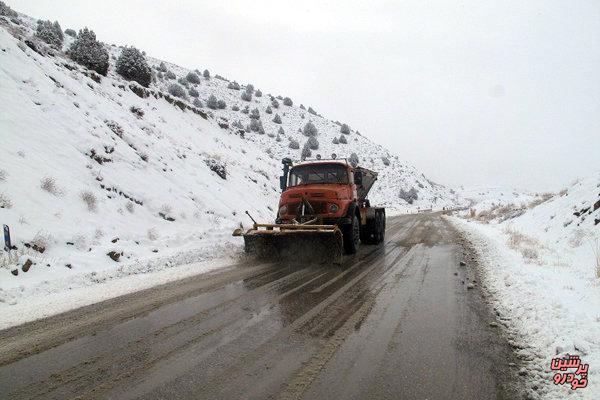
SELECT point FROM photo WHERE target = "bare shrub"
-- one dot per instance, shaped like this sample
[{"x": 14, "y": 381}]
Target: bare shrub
[
  {"x": 528, "y": 247},
  {"x": 89, "y": 199},
  {"x": 41, "y": 241},
  {"x": 49, "y": 185},
  {"x": 129, "y": 206},
  {"x": 5, "y": 201},
  {"x": 3, "y": 175},
  {"x": 596, "y": 251}
]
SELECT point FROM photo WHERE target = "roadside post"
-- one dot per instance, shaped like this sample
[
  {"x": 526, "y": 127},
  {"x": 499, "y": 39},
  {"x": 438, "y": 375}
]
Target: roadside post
[{"x": 7, "y": 244}]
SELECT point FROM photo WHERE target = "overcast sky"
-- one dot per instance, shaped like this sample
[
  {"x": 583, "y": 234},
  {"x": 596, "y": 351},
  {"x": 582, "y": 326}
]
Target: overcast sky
[{"x": 473, "y": 92}]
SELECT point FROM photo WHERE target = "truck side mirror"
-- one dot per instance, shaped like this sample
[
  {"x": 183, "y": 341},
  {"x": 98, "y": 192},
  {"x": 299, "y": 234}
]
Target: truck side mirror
[
  {"x": 282, "y": 183},
  {"x": 358, "y": 178}
]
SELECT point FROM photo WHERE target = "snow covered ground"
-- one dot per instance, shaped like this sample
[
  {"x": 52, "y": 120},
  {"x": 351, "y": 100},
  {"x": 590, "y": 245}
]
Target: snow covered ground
[
  {"x": 101, "y": 178},
  {"x": 543, "y": 274}
]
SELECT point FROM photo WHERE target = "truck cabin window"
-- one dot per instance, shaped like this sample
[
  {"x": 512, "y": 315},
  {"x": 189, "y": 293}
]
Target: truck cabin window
[{"x": 318, "y": 173}]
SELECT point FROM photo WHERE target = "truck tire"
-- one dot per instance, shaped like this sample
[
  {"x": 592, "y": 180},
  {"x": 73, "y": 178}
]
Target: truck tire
[
  {"x": 351, "y": 236},
  {"x": 380, "y": 227}
]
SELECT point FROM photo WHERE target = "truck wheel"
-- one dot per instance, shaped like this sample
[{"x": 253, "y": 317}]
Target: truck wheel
[
  {"x": 380, "y": 230},
  {"x": 352, "y": 236}
]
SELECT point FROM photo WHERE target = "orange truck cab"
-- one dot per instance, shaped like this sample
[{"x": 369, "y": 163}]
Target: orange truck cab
[{"x": 335, "y": 193}]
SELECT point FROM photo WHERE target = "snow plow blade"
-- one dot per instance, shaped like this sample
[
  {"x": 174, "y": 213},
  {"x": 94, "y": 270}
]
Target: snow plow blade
[{"x": 294, "y": 242}]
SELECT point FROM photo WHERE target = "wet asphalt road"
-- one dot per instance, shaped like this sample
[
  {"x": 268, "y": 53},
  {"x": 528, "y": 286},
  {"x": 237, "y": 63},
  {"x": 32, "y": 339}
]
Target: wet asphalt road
[{"x": 395, "y": 321}]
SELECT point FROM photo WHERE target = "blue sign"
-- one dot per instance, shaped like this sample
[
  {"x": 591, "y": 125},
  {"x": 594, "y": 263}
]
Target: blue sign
[{"x": 7, "y": 244}]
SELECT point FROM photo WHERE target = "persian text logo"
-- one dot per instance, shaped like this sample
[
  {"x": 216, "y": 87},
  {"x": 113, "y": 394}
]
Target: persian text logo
[{"x": 577, "y": 379}]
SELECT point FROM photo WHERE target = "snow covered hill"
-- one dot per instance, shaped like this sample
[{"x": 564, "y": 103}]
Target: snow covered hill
[
  {"x": 541, "y": 264},
  {"x": 101, "y": 177}
]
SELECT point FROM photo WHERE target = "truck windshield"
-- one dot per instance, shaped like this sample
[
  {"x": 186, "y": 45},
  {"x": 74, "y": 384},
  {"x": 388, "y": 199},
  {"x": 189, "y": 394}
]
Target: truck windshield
[{"x": 318, "y": 173}]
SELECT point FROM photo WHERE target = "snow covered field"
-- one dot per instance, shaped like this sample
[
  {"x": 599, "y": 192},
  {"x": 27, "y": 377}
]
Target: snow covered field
[
  {"x": 542, "y": 272},
  {"x": 101, "y": 178}
]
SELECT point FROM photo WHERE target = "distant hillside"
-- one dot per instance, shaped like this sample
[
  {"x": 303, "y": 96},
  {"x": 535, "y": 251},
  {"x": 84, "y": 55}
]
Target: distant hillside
[{"x": 94, "y": 166}]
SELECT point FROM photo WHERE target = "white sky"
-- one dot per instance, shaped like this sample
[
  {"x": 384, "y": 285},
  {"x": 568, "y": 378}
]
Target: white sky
[{"x": 473, "y": 92}]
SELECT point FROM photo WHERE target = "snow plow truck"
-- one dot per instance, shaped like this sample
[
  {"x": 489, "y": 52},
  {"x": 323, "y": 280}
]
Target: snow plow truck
[{"x": 323, "y": 212}]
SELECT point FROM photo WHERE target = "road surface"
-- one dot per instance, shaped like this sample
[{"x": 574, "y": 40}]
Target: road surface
[{"x": 395, "y": 321}]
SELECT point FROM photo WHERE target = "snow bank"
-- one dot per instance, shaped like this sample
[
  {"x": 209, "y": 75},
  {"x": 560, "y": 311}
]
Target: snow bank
[{"x": 540, "y": 269}]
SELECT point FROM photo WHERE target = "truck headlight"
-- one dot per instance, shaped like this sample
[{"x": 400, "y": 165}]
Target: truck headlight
[
  {"x": 333, "y": 208},
  {"x": 283, "y": 210}
]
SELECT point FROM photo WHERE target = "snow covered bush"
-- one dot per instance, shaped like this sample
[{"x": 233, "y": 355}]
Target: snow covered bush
[
  {"x": 221, "y": 105},
  {"x": 197, "y": 103},
  {"x": 305, "y": 152},
  {"x": 89, "y": 199},
  {"x": 280, "y": 131},
  {"x": 129, "y": 207},
  {"x": 170, "y": 75},
  {"x": 335, "y": 140},
  {"x": 206, "y": 74},
  {"x": 353, "y": 159},
  {"x": 183, "y": 82},
  {"x": 294, "y": 144},
  {"x": 385, "y": 161},
  {"x": 302, "y": 107},
  {"x": 217, "y": 166},
  {"x": 71, "y": 32},
  {"x": 89, "y": 52},
  {"x": 247, "y": 96},
  {"x": 258, "y": 93},
  {"x": 193, "y": 92},
  {"x": 274, "y": 103},
  {"x": 345, "y": 129},
  {"x": 177, "y": 91},
  {"x": 278, "y": 138},
  {"x": 132, "y": 66},
  {"x": 152, "y": 234},
  {"x": 166, "y": 213},
  {"x": 268, "y": 110},
  {"x": 137, "y": 111},
  {"x": 313, "y": 143},
  {"x": 343, "y": 140},
  {"x": 191, "y": 77},
  {"x": 288, "y": 102},
  {"x": 3, "y": 175},
  {"x": 255, "y": 125},
  {"x": 233, "y": 85},
  {"x": 310, "y": 129},
  {"x": 50, "y": 32},
  {"x": 5, "y": 201},
  {"x": 235, "y": 107},
  {"x": 212, "y": 102},
  {"x": 250, "y": 88},
  {"x": 277, "y": 119},
  {"x": 409, "y": 196},
  {"x": 311, "y": 111},
  {"x": 255, "y": 114},
  {"x": 6, "y": 10},
  {"x": 49, "y": 185}
]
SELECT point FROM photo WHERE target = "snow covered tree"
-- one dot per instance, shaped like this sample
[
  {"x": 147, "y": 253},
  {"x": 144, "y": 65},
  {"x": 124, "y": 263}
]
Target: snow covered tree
[
  {"x": 343, "y": 139},
  {"x": 250, "y": 88},
  {"x": 409, "y": 196},
  {"x": 345, "y": 129},
  {"x": 235, "y": 107},
  {"x": 191, "y": 77},
  {"x": 278, "y": 138},
  {"x": 294, "y": 144},
  {"x": 197, "y": 103},
  {"x": 132, "y": 66},
  {"x": 274, "y": 103},
  {"x": 7, "y": 11},
  {"x": 255, "y": 114},
  {"x": 313, "y": 143},
  {"x": 233, "y": 85},
  {"x": 161, "y": 67},
  {"x": 268, "y": 110},
  {"x": 170, "y": 75},
  {"x": 212, "y": 102},
  {"x": 335, "y": 140},
  {"x": 353, "y": 159},
  {"x": 310, "y": 129},
  {"x": 385, "y": 160},
  {"x": 288, "y": 102},
  {"x": 89, "y": 52},
  {"x": 221, "y": 105},
  {"x": 311, "y": 111},
  {"x": 193, "y": 92},
  {"x": 206, "y": 74},
  {"x": 255, "y": 125},
  {"x": 183, "y": 82},
  {"x": 177, "y": 91},
  {"x": 281, "y": 131},
  {"x": 246, "y": 96},
  {"x": 305, "y": 152},
  {"x": 71, "y": 32},
  {"x": 302, "y": 106},
  {"x": 258, "y": 93},
  {"x": 50, "y": 32},
  {"x": 277, "y": 119}
]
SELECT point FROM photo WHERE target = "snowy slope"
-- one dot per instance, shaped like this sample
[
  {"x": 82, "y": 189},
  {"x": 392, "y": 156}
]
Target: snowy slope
[
  {"x": 542, "y": 269},
  {"x": 91, "y": 167}
]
